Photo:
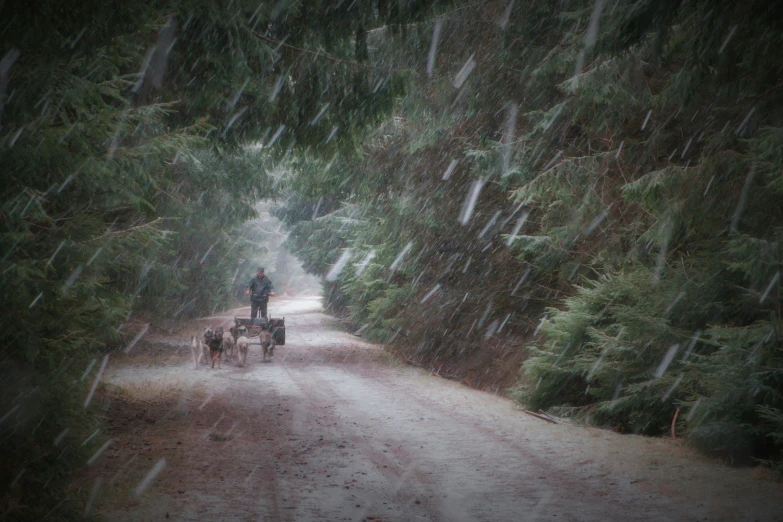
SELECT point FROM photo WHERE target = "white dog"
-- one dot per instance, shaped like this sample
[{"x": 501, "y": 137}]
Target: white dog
[
  {"x": 198, "y": 350},
  {"x": 242, "y": 345}
]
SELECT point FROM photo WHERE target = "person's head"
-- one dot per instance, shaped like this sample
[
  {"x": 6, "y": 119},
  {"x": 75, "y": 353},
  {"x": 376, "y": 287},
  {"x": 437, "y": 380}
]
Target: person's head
[{"x": 260, "y": 271}]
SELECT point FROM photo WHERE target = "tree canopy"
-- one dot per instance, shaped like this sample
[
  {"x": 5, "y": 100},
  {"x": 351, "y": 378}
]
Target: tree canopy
[
  {"x": 595, "y": 185},
  {"x": 137, "y": 140}
]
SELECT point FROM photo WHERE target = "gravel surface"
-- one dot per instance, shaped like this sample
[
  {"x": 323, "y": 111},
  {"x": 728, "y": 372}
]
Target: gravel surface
[{"x": 336, "y": 429}]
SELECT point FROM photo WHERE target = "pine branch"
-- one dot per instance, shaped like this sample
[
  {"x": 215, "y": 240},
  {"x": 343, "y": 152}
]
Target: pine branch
[
  {"x": 332, "y": 59},
  {"x": 126, "y": 230},
  {"x": 474, "y": 4}
]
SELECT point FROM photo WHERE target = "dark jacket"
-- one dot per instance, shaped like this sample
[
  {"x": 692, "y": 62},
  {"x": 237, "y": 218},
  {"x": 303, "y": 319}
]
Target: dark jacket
[{"x": 260, "y": 288}]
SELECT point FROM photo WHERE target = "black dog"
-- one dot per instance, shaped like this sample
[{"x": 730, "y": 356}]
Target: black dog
[{"x": 214, "y": 339}]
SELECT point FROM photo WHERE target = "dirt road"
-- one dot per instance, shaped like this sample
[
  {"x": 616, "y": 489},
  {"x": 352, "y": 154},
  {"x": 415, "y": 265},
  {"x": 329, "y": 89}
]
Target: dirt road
[{"x": 335, "y": 429}]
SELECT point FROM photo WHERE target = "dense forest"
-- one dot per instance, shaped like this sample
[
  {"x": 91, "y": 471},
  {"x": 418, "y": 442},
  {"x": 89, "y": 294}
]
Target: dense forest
[
  {"x": 591, "y": 187},
  {"x": 594, "y": 188}
]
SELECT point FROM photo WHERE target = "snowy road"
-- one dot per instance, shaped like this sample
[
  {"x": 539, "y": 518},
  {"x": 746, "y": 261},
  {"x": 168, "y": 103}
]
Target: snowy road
[{"x": 335, "y": 429}]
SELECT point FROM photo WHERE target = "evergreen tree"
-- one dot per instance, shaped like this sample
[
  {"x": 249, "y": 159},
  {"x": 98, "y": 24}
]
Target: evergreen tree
[
  {"x": 127, "y": 133},
  {"x": 625, "y": 162}
]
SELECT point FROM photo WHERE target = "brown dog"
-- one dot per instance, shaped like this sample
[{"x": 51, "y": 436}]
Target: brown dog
[
  {"x": 214, "y": 339},
  {"x": 267, "y": 344}
]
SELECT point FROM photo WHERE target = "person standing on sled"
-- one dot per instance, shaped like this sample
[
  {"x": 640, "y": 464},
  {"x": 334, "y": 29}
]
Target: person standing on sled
[{"x": 259, "y": 290}]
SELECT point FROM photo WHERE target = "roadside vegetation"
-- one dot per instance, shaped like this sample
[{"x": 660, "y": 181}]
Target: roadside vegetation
[
  {"x": 136, "y": 141},
  {"x": 592, "y": 187}
]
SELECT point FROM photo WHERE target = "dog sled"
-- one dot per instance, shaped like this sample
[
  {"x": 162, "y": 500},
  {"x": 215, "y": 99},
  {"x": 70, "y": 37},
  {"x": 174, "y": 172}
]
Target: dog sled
[{"x": 251, "y": 328}]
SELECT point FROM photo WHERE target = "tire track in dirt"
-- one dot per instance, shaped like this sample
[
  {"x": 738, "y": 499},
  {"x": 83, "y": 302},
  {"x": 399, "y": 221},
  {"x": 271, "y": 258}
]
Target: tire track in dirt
[
  {"x": 532, "y": 479},
  {"x": 240, "y": 394},
  {"x": 542, "y": 480},
  {"x": 207, "y": 474},
  {"x": 554, "y": 477},
  {"x": 401, "y": 473},
  {"x": 425, "y": 482},
  {"x": 357, "y": 438}
]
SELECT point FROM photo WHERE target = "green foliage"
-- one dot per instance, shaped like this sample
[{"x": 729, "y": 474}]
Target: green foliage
[
  {"x": 136, "y": 141},
  {"x": 688, "y": 258},
  {"x": 634, "y": 203}
]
